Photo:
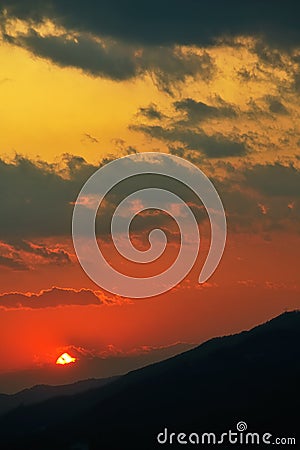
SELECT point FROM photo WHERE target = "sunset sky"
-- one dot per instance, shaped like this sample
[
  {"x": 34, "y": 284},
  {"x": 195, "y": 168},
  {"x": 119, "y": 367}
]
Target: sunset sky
[{"x": 82, "y": 83}]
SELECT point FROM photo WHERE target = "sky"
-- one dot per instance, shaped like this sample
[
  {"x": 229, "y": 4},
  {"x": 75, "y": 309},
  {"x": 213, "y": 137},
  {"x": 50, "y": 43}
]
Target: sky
[{"x": 84, "y": 84}]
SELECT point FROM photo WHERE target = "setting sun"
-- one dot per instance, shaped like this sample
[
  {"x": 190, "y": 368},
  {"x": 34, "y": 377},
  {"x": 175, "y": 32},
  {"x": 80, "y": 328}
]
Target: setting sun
[{"x": 65, "y": 358}]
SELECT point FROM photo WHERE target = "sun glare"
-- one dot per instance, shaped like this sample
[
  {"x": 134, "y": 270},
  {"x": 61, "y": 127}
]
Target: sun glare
[{"x": 65, "y": 358}]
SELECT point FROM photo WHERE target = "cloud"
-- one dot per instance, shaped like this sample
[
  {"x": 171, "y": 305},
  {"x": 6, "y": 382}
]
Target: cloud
[
  {"x": 19, "y": 254},
  {"x": 111, "y": 351},
  {"x": 275, "y": 105},
  {"x": 274, "y": 179},
  {"x": 90, "y": 139},
  {"x": 171, "y": 66},
  {"x": 50, "y": 298},
  {"x": 171, "y": 45},
  {"x": 150, "y": 112},
  {"x": 13, "y": 263},
  {"x": 297, "y": 83},
  {"x": 198, "y": 111},
  {"x": 262, "y": 197},
  {"x": 214, "y": 146},
  {"x": 39, "y": 197},
  {"x": 39, "y": 251},
  {"x": 113, "y": 59},
  {"x": 37, "y": 194},
  {"x": 268, "y": 55},
  {"x": 159, "y": 23}
]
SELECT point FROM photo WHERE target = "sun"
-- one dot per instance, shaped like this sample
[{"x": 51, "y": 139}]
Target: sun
[{"x": 65, "y": 358}]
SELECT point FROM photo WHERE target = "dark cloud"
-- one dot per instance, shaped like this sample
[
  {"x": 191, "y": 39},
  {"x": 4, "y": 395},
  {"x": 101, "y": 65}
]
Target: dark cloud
[
  {"x": 255, "y": 203},
  {"x": 162, "y": 23},
  {"x": 121, "y": 41},
  {"x": 270, "y": 58},
  {"x": 268, "y": 55},
  {"x": 246, "y": 75},
  {"x": 297, "y": 82},
  {"x": 275, "y": 105},
  {"x": 215, "y": 146},
  {"x": 150, "y": 112},
  {"x": 50, "y": 298},
  {"x": 19, "y": 254},
  {"x": 37, "y": 199},
  {"x": 57, "y": 255},
  {"x": 198, "y": 111},
  {"x": 13, "y": 263},
  {"x": 89, "y": 138},
  {"x": 170, "y": 66},
  {"x": 112, "y": 59},
  {"x": 274, "y": 179},
  {"x": 256, "y": 198}
]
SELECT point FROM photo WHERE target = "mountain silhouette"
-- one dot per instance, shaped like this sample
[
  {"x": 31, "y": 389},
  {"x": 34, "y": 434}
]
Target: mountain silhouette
[
  {"x": 39, "y": 393},
  {"x": 251, "y": 377}
]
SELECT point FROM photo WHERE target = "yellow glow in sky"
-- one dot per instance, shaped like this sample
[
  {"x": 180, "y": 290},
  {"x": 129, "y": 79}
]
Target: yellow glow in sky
[{"x": 46, "y": 110}]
